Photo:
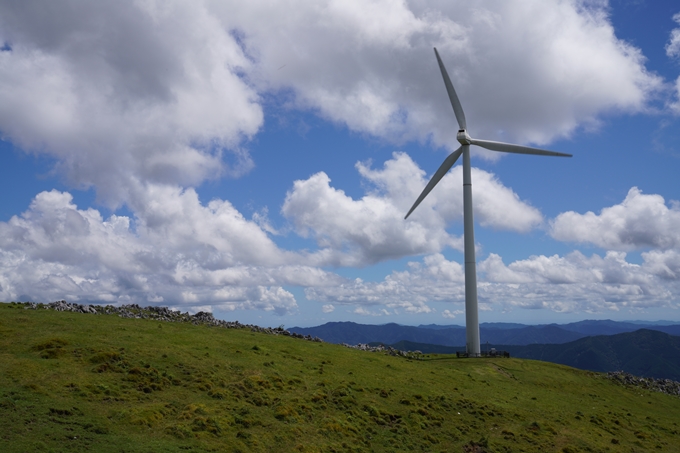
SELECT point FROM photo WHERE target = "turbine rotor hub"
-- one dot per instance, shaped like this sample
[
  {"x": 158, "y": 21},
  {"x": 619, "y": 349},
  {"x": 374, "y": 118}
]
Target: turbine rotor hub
[{"x": 463, "y": 137}]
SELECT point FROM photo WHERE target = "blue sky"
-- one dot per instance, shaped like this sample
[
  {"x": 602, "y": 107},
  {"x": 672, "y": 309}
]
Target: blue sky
[{"x": 256, "y": 159}]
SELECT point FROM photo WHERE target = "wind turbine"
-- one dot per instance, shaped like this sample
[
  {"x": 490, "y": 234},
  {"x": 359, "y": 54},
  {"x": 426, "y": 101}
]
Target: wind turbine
[{"x": 471, "y": 311}]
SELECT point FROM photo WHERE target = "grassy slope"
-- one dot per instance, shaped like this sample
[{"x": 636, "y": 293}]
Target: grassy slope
[
  {"x": 644, "y": 352},
  {"x": 74, "y": 382}
]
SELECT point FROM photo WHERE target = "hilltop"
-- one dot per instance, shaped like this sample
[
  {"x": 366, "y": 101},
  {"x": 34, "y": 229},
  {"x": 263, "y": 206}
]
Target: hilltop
[
  {"x": 97, "y": 382},
  {"x": 646, "y": 353}
]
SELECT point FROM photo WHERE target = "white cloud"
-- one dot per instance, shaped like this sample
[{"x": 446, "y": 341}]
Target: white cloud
[
  {"x": 144, "y": 100},
  {"x": 390, "y": 293},
  {"x": 495, "y": 205},
  {"x": 664, "y": 264},
  {"x": 175, "y": 251},
  {"x": 170, "y": 217},
  {"x": 193, "y": 257},
  {"x": 571, "y": 283},
  {"x": 573, "y": 268},
  {"x": 372, "y": 229},
  {"x": 368, "y": 230},
  {"x": 675, "y": 105},
  {"x": 639, "y": 221},
  {"x": 364, "y": 312},
  {"x": 127, "y": 92},
  {"x": 370, "y": 65},
  {"x": 452, "y": 314},
  {"x": 673, "y": 51},
  {"x": 435, "y": 280},
  {"x": 576, "y": 283},
  {"x": 673, "y": 46}
]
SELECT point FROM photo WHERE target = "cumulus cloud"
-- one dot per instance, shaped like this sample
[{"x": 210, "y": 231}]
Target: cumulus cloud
[
  {"x": 126, "y": 92},
  {"x": 361, "y": 231},
  {"x": 372, "y": 229},
  {"x": 562, "y": 284},
  {"x": 179, "y": 254},
  {"x": 639, "y": 221},
  {"x": 673, "y": 45},
  {"x": 175, "y": 251},
  {"x": 572, "y": 268},
  {"x": 169, "y": 92},
  {"x": 576, "y": 283},
  {"x": 495, "y": 205},
  {"x": 675, "y": 105},
  {"x": 371, "y": 66},
  {"x": 673, "y": 51},
  {"x": 570, "y": 283},
  {"x": 663, "y": 263},
  {"x": 452, "y": 314},
  {"x": 144, "y": 100},
  {"x": 435, "y": 279}
]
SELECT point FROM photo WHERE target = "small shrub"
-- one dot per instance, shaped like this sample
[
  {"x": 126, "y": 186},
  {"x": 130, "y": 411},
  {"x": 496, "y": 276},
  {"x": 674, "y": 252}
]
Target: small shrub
[{"x": 54, "y": 343}]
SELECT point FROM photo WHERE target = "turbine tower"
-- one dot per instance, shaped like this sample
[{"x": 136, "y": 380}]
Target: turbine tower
[{"x": 471, "y": 310}]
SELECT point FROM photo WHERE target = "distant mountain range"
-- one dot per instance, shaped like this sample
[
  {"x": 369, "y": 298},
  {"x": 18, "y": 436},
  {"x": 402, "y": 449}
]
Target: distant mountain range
[
  {"x": 642, "y": 349},
  {"x": 492, "y": 333},
  {"x": 645, "y": 352}
]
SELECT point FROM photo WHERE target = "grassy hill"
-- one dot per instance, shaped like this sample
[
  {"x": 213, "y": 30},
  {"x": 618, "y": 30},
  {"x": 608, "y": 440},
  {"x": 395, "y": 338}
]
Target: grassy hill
[
  {"x": 647, "y": 353},
  {"x": 84, "y": 382},
  {"x": 644, "y": 352}
]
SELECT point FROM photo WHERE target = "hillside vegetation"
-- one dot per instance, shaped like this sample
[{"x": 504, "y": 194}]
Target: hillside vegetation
[
  {"x": 646, "y": 353},
  {"x": 86, "y": 382}
]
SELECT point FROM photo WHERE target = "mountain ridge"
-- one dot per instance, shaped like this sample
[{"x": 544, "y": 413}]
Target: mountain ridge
[{"x": 497, "y": 333}]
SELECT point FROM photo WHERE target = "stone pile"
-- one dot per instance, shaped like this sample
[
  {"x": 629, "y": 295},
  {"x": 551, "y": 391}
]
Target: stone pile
[
  {"x": 658, "y": 385},
  {"x": 62, "y": 305},
  {"x": 385, "y": 349}
]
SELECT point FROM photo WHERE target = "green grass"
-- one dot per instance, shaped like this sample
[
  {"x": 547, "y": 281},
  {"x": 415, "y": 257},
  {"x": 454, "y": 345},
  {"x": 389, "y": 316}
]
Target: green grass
[{"x": 75, "y": 382}]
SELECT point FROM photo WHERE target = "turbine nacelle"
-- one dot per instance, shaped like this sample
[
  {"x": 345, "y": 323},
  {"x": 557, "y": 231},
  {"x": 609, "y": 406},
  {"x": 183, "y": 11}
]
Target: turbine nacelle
[{"x": 463, "y": 137}]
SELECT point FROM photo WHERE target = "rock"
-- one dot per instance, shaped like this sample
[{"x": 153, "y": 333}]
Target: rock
[{"x": 659, "y": 385}]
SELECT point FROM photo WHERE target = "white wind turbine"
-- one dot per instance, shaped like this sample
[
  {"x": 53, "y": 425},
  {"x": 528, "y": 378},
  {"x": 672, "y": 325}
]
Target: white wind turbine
[{"x": 471, "y": 310}]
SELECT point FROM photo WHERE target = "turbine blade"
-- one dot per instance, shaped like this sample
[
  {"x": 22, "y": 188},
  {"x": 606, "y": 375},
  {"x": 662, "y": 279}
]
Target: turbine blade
[
  {"x": 453, "y": 97},
  {"x": 508, "y": 148},
  {"x": 439, "y": 174}
]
